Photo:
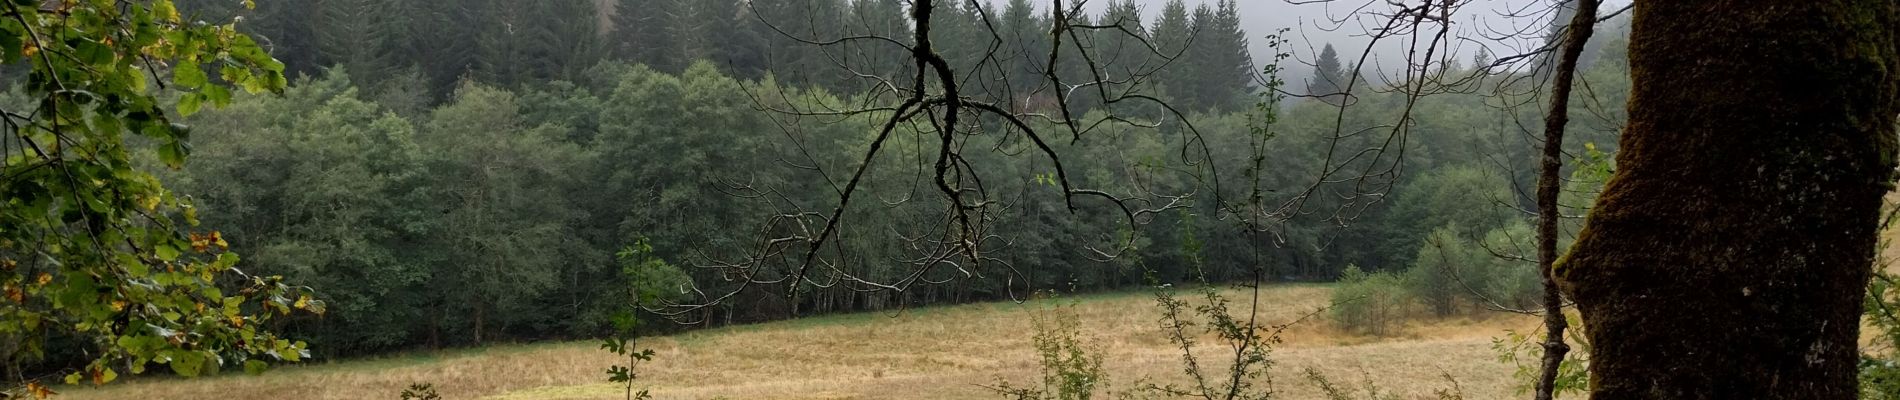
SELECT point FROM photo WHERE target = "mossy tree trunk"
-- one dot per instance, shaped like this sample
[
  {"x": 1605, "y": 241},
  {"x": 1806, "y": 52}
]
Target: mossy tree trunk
[{"x": 1727, "y": 257}]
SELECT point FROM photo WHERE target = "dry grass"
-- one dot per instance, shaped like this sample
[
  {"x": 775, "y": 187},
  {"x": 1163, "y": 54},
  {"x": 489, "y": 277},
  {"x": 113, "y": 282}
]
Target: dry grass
[{"x": 935, "y": 353}]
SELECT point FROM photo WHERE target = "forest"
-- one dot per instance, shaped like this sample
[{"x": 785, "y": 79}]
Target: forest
[
  {"x": 448, "y": 174},
  {"x": 495, "y": 210}
]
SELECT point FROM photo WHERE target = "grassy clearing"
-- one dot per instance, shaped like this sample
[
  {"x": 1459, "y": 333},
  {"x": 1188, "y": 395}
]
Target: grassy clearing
[{"x": 934, "y": 353}]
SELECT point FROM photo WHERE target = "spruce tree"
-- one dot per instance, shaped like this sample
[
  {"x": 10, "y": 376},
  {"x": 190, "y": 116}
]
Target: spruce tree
[
  {"x": 1025, "y": 47},
  {"x": 798, "y": 22},
  {"x": 442, "y": 39},
  {"x": 885, "y": 19},
  {"x": 1171, "y": 34},
  {"x": 1194, "y": 87},
  {"x": 1227, "y": 67},
  {"x": 569, "y": 32},
  {"x": 640, "y": 28},
  {"x": 1329, "y": 77},
  {"x": 501, "y": 50},
  {"x": 286, "y": 30},
  {"x": 356, "y": 35},
  {"x": 738, "y": 40},
  {"x": 1121, "y": 49}
]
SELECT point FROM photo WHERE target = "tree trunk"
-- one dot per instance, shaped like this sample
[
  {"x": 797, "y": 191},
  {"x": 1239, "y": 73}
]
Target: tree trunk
[
  {"x": 1549, "y": 186},
  {"x": 479, "y": 324},
  {"x": 1727, "y": 257}
]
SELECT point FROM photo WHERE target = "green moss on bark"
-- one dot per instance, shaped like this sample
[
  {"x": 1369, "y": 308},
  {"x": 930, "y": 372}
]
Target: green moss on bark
[{"x": 1726, "y": 257}]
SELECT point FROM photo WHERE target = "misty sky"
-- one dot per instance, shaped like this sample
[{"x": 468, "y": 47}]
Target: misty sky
[{"x": 1312, "y": 26}]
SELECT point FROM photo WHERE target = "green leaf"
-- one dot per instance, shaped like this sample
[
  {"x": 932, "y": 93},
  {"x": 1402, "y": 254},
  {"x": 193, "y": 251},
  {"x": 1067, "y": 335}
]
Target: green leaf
[
  {"x": 225, "y": 261},
  {"x": 106, "y": 375},
  {"x": 255, "y": 367},
  {"x": 217, "y": 95},
  {"x": 187, "y": 363},
  {"x": 189, "y": 74},
  {"x": 173, "y": 154},
  {"x": 190, "y": 103},
  {"x": 166, "y": 252}
]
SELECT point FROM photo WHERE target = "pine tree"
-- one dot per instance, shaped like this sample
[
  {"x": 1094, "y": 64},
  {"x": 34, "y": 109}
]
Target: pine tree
[
  {"x": 1073, "y": 70},
  {"x": 286, "y": 30},
  {"x": 802, "y": 21},
  {"x": 1026, "y": 44},
  {"x": 1228, "y": 68},
  {"x": 1192, "y": 86},
  {"x": 1218, "y": 69},
  {"x": 441, "y": 37},
  {"x": 501, "y": 50},
  {"x": 1329, "y": 78},
  {"x": 650, "y": 32},
  {"x": 536, "y": 41},
  {"x": 1171, "y": 34},
  {"x": 1482, "y": 60},
  {"x": 885, "y": 19},
  {"x": 355, "y": 34},
  {"x": 569, "y": 35},
  {"x": 1121, "y": 50},
  {"x": 738, "y": 44}
]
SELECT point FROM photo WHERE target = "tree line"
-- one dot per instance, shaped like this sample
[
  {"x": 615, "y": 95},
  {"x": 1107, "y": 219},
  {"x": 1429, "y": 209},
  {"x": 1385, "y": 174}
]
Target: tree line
[
  {"x": 498, "y": 214},
  {"x": 491, "y": 201},
  {"x": 413, "y": 53}
]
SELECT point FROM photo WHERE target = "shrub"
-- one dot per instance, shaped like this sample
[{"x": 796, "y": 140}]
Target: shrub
[
  {"x": 1071, "y": 368},
  {"x": 1368, "y": 303},
  {"x": 1451, "y": 270},
  {"x": 1508, "y": 277}
]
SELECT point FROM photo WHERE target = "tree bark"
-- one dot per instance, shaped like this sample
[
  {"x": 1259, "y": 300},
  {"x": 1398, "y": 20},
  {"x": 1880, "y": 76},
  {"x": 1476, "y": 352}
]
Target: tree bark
[{"x": 1727, "y": 256}]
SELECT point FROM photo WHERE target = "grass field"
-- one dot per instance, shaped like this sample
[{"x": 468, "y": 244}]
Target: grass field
[{"x": 932, "y": 353}]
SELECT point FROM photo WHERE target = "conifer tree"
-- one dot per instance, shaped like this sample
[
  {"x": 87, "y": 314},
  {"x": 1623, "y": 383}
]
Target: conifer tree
[
  {"x": 1025, "y": 45},
  {"x": 357, "y": 35},
  {"x": 805, "y": 21},
  {"x": 1226, "y": 67},
  {"x": 441, "y": 36},
  {"x": 1122, "y": 49},
  {"x": 639, "y": 30},
  {"x": 884, "y": 19},
  {"x": 502, "y": 49},
  {"x": 1171, "y": 34},
  {"x": 738, "y": 44},
  {"x": 569, "y": 34},
  {"x": 1329, "y": 78}
]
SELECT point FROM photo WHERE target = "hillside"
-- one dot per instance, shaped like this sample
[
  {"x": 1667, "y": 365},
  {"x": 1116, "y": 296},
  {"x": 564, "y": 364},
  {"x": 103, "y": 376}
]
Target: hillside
[{"x": 933, "y": 353}]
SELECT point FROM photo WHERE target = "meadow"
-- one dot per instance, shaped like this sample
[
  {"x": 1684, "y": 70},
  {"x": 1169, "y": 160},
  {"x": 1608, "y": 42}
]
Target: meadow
[{"x": 952, "y": 352}]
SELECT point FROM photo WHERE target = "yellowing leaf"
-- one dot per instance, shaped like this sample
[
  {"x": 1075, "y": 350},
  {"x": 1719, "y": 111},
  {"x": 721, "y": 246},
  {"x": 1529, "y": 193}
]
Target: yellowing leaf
[
  {"x": 40, "y": 391},
  {"x": 166, "y": 10},
  {"x": 103, "y": 376}
]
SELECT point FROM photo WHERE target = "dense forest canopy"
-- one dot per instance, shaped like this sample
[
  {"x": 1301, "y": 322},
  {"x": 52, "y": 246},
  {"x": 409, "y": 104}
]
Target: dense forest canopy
[
  {"x": 454, "y": 173},
  {"x": 372, "y": 177},
  {"x": 411, "y": 174}
]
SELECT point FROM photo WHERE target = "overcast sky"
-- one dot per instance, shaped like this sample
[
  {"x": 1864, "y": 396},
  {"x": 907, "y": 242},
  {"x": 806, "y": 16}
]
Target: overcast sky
[{"x": 1312, "y": 26}]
